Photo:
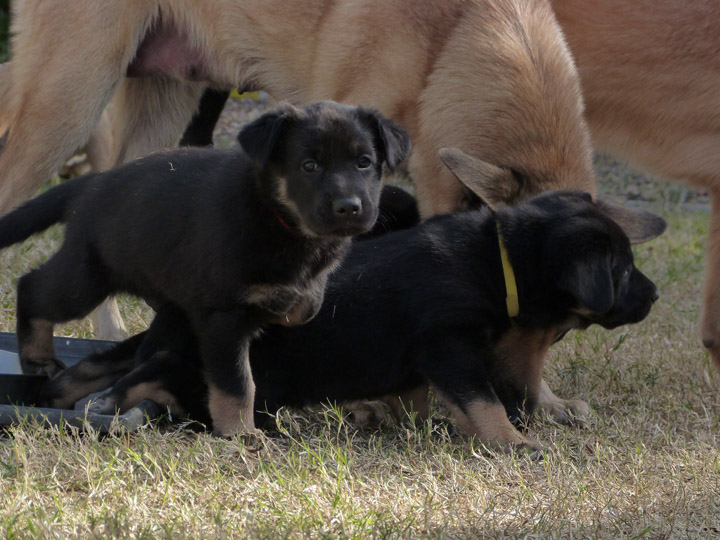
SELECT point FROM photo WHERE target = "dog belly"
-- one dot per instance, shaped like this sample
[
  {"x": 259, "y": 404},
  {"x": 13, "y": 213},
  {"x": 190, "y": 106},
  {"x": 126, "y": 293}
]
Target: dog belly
[{"x": 165, "y": 51}]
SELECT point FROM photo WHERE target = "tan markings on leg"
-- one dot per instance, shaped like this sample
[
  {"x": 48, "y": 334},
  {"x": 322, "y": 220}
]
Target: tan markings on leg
[
  {"x": 489, "y": 422},
  {"x": 39, "y": 345},
  {"x": 415, "y": 400},
  {"x": 154, "y": 391},
  {"x": 521, "y": 351},
  {"x": 232, "y": 414}
]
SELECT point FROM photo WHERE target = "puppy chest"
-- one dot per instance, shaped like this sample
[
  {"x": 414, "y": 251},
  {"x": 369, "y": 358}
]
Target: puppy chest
[{"x": 288, "y": 304}]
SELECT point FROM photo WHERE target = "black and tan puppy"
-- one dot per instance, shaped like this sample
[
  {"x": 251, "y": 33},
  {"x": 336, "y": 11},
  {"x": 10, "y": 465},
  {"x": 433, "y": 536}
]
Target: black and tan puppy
[
  {"x": 236, "y": 240},
  {"x": 428, "y": 305}
]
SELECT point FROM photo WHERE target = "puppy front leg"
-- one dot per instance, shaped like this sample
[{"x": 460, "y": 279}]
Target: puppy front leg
[
  {"x": 521, "y": 356},
  {"x": 224, "y": 339},
  {"x": 458, "y": 366},
  {"x": 484, "y": 416}
]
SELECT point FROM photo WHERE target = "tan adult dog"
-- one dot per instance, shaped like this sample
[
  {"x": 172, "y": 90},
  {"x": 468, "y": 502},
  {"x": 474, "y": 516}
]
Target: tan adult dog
[
  {"x": 650, "y": 72},
  {"x": 491, "y": 77}
]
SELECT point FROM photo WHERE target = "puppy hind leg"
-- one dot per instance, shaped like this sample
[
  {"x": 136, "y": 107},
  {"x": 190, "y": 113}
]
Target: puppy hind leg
[
  {"x": 92, "y": 374},
  {"x": 167, "y": 379},
  {"x": 62, "y": 289}
]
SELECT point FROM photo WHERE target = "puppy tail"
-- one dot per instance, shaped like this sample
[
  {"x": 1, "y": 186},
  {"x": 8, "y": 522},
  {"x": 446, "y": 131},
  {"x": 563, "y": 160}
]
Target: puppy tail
[{"x": 41, "y": 212}]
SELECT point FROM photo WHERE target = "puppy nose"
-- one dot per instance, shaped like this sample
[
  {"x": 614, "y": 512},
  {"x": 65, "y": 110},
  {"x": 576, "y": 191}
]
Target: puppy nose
[
  {"x": 655, "y": 296},
  {"x": 347, "y": 207}
]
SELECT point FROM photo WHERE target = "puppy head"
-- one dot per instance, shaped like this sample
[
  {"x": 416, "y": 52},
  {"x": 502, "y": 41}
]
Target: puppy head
[
  {"x": 582, "y": 250},
  {"x": 323, "y": 164}
]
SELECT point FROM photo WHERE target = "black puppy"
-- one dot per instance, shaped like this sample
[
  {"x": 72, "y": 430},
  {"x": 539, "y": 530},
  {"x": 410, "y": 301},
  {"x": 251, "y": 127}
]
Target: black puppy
[
  {"x": 235, "y": 240},
  {"x": 429, "y": 305}
]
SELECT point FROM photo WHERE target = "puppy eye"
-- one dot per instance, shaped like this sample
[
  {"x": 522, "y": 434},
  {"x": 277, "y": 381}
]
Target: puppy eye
[
  {"x": 364, "y": 162},
  {"x": 309, "y": 165}
]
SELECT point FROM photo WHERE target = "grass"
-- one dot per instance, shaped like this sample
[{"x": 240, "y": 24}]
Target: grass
[
  {"x": 4, "y": 28},
  {"x": 649, "y": 466}
]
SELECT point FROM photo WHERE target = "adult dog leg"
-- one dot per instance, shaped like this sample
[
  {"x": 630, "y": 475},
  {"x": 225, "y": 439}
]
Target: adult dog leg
[
  {"x": 67, "y": 61},
  {"x": 150, "y": 114},
  {"x": 710, "y": 326}
]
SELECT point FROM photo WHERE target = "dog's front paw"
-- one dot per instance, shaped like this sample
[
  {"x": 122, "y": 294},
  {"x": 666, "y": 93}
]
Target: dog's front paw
[{"x": 570, "y": 412}]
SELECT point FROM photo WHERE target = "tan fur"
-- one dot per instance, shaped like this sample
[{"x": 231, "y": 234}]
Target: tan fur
[
  {"x": 521, "y": 352},
  {"x": 41, "y": 347},
  {"x": 650, "y": 73},
  {"x": 231, "y": 414},
  {"x": 154, "y": 391},
  {"x": 489, "y": 422},
  {"x": 492, "y": 78}
]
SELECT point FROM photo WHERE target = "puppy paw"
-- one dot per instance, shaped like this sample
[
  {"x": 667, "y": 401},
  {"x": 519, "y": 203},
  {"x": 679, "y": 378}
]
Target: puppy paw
[
  {"x": 107, "y": 404},
  {"x": 573, "y": 412},
  {"x": 368, "y": 413}
]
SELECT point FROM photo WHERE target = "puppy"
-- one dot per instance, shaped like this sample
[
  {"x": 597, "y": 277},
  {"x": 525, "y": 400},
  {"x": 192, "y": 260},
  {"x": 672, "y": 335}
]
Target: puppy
[
  {"x": 429, "y": 305},
  {"x": 234, "y": 240}
]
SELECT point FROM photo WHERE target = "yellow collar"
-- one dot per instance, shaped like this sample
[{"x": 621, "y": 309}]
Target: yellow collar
[{"x": 513, "y": 304}]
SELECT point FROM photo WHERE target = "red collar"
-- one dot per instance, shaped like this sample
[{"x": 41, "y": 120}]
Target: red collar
[{"x": 282, "y": 221}]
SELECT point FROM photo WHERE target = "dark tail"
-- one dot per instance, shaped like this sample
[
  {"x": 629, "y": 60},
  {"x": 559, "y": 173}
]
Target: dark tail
[{"x": 41, "y": 212}]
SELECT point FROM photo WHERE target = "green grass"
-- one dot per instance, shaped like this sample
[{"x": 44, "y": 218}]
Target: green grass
[
  {"x": 4, "y": 24},
  {"x": 648, "y": 467}
]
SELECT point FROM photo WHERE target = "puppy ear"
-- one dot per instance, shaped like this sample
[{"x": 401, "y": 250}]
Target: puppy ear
[
  {"x": 259, "y": 137},
  {"x": 590, "y": 282},
  {"x": 494, "y": 185},
  {"x": 639, "y": 225},
  {"x": 394, "y": 140}
]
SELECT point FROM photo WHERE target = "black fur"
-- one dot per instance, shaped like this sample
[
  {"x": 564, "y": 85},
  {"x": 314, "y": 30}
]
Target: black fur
[
  {"x": 427, "y": 305},
  {"x": 236, "y": 240}
]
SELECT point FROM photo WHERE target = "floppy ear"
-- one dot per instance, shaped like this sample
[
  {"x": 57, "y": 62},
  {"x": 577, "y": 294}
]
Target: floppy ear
[
  {"x": 590, "y": 282},
  {"x": 258, "y": 138},
  {"x": 394, "y": 140},
  {"x": 639, "y": 225},
  {"x": 494, "y": 185}
]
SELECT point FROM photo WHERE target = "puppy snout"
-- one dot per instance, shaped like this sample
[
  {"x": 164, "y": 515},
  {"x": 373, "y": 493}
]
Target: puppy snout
[
  {"x": 347, "y": 207},
  {"x": 654, "y": 296}
]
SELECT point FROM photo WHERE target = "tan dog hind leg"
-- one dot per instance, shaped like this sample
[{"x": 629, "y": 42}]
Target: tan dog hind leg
[
  {"x": 710, "y": 326},
  {"x": 49, "y": 119}
]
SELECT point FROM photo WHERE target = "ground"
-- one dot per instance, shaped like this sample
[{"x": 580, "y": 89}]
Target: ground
[{"x": 648, "y": 466}]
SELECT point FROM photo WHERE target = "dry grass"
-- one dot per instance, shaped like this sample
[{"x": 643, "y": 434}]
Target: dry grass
[{"x": 649, "y": 466}]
